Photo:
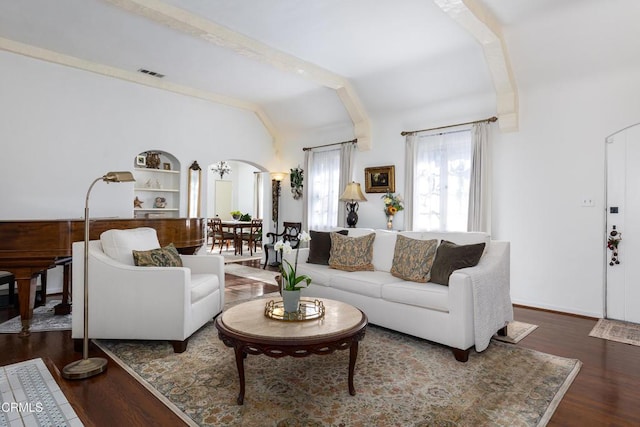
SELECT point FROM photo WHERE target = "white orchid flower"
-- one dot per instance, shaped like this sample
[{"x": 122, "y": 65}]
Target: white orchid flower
[
  {"x": 285, "y": 247},
  {"x": 304, "y": 236}
]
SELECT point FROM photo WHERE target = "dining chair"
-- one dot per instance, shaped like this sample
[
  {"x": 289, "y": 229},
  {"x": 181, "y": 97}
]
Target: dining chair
[
  {"x": 254, "y": 236},
  {"x": 219, "y": 235},
  {"x": 290, "y": 233}
]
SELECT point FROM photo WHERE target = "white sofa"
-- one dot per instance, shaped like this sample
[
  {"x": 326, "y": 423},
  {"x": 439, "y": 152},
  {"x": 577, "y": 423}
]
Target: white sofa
[
  {"x": 150, "y": 303},
  {"x": 475, "y": 305}
]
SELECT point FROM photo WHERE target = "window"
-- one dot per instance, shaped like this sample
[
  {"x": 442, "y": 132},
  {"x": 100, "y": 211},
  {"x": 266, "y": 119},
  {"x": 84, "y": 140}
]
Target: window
[
  {"x": 324, "y": 191},
  {"x": 441, "y": 181}
]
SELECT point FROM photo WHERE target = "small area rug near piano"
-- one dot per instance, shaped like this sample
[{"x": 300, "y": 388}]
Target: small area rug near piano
[
  {"x": 616, "y": 330},
  {"x": 400, "y": 380},
  {"x": 43, "y": 320}
]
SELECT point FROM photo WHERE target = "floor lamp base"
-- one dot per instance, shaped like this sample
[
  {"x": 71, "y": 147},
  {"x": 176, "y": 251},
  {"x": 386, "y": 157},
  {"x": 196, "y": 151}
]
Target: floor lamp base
[{"x": 84, "y": 368}]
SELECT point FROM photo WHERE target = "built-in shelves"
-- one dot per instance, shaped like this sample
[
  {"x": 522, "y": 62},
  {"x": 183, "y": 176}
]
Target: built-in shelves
[{"x": 157, "y": 188}]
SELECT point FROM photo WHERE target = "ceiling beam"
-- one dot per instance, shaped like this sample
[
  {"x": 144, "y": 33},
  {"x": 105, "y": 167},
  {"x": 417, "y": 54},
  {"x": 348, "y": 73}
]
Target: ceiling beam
[
  {"x": 134, "y": 77},
  {"x": 196, "y": 26},
  {"x": 474, "y": 18}
]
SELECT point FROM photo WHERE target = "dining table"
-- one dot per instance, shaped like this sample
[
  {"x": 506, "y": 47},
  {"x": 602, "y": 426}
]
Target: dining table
[{"x": 236, "y": 227}]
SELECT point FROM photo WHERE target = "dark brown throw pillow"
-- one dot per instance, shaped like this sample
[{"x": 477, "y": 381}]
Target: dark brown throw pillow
[
  {"x": 320, "y": 246},
  {"x": 451, "y": 257},
  {"x": 161, "y": 257}
]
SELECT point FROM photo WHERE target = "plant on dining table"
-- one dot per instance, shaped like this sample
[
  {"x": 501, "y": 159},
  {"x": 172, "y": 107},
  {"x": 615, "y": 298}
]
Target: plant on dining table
[{"x": 290, "y": 280}]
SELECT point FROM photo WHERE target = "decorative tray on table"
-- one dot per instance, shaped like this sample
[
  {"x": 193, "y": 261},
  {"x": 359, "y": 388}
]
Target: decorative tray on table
[{"x": 308, "y": 309}]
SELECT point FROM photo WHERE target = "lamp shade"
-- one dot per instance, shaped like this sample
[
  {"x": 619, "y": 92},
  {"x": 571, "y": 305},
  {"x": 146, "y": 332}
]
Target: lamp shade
[
  {"x": 278, "y": 176},
  {"x": 124, "y": 176},
  {"x": 353, "y": 193}
]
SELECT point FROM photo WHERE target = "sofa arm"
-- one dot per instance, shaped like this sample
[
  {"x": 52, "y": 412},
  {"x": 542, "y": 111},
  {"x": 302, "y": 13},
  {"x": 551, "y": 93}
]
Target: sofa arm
[{"x": 204, "y": 264}]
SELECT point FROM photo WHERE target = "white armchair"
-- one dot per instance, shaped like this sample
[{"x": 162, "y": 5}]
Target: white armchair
[{"x": 150, "y": 303}]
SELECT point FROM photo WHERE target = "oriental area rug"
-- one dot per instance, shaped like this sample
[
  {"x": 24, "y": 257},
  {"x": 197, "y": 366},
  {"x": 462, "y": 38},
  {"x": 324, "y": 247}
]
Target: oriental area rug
[
  {"x": 43, "y": 320},
  {"x": 615, "y": 330},
  {"x": 400, "y": 380}
]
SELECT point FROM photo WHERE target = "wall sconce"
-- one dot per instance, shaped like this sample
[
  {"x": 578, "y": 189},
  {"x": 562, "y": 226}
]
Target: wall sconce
[
  {"x": 221, "y": 168},
  {"x": 276, "y": 178},
  {"x": 352, "y": 195}
]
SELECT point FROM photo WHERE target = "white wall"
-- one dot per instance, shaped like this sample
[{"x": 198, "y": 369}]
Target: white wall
[
  {"x": 541, "y": 174},
  {"x": 62, "y": 128}
]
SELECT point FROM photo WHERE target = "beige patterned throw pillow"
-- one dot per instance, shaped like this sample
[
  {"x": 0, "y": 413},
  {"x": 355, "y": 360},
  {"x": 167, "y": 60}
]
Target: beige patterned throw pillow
[
  {"x": 161, "y": 257},
  {"x": 351, "y": 253},
  {"x": 413, "y": 258}
]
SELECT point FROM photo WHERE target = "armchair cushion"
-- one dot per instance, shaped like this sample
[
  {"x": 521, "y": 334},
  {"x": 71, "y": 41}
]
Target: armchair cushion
[
  {"x": 451, "y": 257},
  {"x": 161, "y": 257},
  {"x": 119, "y": 244},
  {"x": 320, "y": 246}
]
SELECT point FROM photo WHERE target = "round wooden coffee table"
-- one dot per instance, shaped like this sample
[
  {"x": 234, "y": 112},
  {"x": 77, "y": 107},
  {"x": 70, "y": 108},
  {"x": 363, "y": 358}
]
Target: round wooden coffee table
[{"x": 247, "y": 330}]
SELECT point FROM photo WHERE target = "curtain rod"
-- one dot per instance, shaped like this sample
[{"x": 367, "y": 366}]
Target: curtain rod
[
  {"x": 355, "y": 141},
  {"x": 489, "y": 120}
]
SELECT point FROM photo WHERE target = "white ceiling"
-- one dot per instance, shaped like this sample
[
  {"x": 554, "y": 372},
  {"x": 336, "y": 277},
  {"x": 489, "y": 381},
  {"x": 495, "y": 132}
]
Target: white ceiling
[{"x": 396, "y": 55}]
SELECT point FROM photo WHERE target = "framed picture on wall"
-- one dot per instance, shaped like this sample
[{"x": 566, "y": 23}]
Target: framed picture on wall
[
  {"x": 141, "y": 161},
  {"x": 380, "y": 179}
]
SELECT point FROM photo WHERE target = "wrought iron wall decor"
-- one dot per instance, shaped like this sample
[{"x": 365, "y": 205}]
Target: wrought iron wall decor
[{"x": 297, "y": 176}]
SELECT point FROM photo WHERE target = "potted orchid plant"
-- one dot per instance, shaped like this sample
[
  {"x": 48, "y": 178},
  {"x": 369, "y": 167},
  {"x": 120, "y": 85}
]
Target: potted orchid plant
[{"x": 291, "y": 283}]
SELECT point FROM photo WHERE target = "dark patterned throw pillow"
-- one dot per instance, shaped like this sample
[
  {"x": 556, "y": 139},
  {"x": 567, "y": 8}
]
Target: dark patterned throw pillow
[
  {"x": 451, "y": 257},
  {"x": 161, "y": 257}
]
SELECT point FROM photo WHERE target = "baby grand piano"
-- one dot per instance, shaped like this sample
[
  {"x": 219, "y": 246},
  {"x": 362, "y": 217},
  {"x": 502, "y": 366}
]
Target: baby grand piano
[{"x": 29, "y": 247}]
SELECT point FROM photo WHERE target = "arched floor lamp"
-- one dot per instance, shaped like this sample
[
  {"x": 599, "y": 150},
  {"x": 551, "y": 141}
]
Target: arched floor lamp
[{"x": 88, "y": 367}]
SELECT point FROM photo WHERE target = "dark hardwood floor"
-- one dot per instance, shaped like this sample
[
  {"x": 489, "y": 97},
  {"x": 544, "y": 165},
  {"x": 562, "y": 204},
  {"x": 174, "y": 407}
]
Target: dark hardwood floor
[{"x": 606, "y": 392}]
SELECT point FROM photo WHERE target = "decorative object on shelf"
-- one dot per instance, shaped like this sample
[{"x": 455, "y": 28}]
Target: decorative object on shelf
[
  {"x": 221, "y": 168},
  {"x": 166, "y": 166},
  {"x": 297, "y": 176},
  {"x": 308, "y": 310},
  {"x": 89, "y": 367},
  {"x": 236, "y": 215},
  {"x": 392, "y": 205},
  {"x": 291, "y": 283},
  {"x": 193, "y": 196},
  {"x": 612, "y": 244},
  {"x": 137, "y": 203},
  {"x": 160, "y": 203},
  {"x": 381, "y": 179},
  {"x": 157, "y": 184},
  {"x": 352, "y": 195},
  {"x": 141, "y": 161},
  {"x": 148, "y": 183},
  {"x": 153, "y": 160}
]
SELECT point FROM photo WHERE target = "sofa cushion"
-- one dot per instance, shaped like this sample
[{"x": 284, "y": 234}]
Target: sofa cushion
[
  {"x": 160, "y": 257},
  {"x": 383, "y": 247},
  {"x": 412, "y": 258},
  {"x": 451, "y": 257},
  {"x": 368, "y": 283},
  {"x": 119, "y": 244},
  {"x": 457, "y": 237},
  {"x": 351, "y": 253},
  {"x": 320, "y": 246},
  {"x": 427, "y": 295}
]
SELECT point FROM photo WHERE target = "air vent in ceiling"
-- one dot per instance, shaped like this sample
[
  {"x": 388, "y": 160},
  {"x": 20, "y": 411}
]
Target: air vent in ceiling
[{"x": 151, "y": 73}]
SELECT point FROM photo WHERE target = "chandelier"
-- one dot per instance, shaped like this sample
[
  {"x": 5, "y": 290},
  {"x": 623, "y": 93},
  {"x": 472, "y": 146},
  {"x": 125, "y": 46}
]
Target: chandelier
[{"x": 221, "y": 168}]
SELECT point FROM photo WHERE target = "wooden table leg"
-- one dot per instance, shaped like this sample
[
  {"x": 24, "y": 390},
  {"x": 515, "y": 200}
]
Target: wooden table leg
[
  {"x": 27, "y": 297},
  {"x": 64, "y": 307},
  {"x": 240, "y": 355},
  {"x": 353, "y": 355}
]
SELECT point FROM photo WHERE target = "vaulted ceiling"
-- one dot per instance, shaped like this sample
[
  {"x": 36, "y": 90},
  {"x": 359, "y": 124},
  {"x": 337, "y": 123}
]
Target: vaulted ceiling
[{"x": 309, "y": 65}]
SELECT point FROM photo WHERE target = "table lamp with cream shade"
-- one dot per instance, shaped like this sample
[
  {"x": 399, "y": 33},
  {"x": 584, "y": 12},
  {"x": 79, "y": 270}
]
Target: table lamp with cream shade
[{"x": 352, "y": 195}]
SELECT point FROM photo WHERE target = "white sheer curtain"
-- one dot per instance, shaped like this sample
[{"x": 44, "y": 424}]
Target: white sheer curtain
[
  {"x": 409, "y": 173},
  {"x": 324, "y": 188},
  {"x": 346, "y": 176},
  {"x": 480, "y": 183},
  {"x": 441, "y": 181},
  {"x": 305, "y": 191}
]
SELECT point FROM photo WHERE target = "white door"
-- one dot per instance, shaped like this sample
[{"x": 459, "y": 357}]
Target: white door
[{"x": 623, "y": 213}]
